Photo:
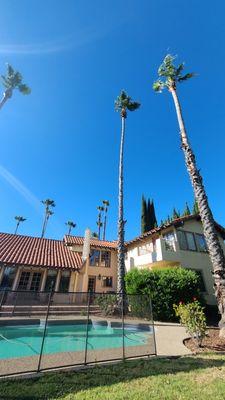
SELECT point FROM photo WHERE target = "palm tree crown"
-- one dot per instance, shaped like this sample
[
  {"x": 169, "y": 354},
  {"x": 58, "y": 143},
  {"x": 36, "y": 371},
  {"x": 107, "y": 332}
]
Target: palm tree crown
[
  {"x": 124, "y": 103},
  {"x": 170, "y": 74},
  {"x": 13, "y": 80},
  {"x": 71, "y": 225},
  {"x": 20, "y": 219}
]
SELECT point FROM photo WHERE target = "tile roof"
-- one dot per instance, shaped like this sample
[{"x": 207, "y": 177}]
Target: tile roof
[
  {"x": 34, "y": 251},
  {"x": 175, "y": 222},
  {"x": 79, "y": 240}
]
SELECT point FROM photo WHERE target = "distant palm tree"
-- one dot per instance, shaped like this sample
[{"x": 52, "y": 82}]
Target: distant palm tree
[
  {"x": 11, "y": 81},
  {"x": 106, "y": 206},
  {"x": 48, "y": 204},
  {"x": 122, "y": 104},
  {"x": 71, "y": 225},
  {"x": 95, "y": 235},
  {"x": 99, "y": 222},
  {"x": 19, "y": 219},
  {"x": 170, "y": 77}
]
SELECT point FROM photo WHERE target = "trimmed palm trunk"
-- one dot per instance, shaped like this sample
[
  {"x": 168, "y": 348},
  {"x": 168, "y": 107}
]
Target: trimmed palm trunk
[
  {"x": 122, "y": 104},
  {"x": 121, "y": 222},
  {"x": 212, "y": 240}
]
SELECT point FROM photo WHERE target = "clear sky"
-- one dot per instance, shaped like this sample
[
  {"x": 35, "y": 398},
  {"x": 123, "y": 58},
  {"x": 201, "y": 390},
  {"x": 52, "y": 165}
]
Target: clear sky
[{"x": 62, "y": 141}]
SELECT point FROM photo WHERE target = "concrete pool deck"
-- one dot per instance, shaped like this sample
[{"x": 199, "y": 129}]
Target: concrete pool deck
[{"x": 169, "y": 339}]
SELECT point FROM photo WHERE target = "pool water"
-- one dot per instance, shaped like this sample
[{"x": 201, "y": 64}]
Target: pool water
[{"x": 25, "y": 340}]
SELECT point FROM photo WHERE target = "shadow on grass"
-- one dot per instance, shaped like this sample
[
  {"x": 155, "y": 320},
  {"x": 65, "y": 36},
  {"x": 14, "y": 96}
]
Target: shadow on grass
[{"x": 59, "y": 384}]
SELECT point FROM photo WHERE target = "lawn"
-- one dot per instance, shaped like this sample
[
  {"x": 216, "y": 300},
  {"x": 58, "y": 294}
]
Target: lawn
[{"x": 196, "y": 377}]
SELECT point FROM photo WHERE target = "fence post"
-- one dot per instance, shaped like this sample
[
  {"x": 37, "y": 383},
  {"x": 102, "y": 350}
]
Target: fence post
[
  {"x": 45, "y": 327},
  {"x": 88, "y": 313},
  {"x": 15, "y": 304},
  {"x": 153, "y": 325},
  {"x": 123, "y": 324},
  {"x": 2, "y": 299}
]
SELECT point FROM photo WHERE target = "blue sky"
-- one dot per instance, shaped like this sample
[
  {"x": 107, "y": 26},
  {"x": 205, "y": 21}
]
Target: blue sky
[{"x": 62, "y": 141}]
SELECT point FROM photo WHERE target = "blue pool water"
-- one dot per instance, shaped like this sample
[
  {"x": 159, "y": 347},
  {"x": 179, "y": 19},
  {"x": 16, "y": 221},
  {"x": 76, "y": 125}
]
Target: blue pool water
[{"x": 25, "y": 340}]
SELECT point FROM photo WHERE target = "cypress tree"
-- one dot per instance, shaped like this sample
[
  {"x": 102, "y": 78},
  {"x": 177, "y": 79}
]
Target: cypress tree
[
  {"x": 153, "y": 220},
  {"x": 175, "y": 214},
  {"x": 195, "y": 209},
  {"x": 144, "y": 222},
  {"x": 186, "y": 210}
]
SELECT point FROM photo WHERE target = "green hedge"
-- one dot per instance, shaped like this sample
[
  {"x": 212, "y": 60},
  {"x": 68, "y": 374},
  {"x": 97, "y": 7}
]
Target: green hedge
[{"x": 166, "y": 286}]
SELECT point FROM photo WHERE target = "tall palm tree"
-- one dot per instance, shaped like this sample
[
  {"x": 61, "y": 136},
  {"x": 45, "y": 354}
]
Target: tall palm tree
[
  {"x": 123, "y": 104},
  {"x": 99, "y": 222},
  {"x": 18, "y": 219},
  {"x": 11, "y": 81},
  {"x": 170, "y": 77},
  {"x": 71, "y": 226},
  {"x": 48, "y": 203},
  {"x": 106, "y": 206}
]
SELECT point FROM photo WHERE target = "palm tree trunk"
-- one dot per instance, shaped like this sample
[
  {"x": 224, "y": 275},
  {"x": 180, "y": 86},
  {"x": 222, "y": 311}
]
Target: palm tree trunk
[
  {"x": 212, "y": 240},
  {"x": 104, "y": 226},
  {"x": 17, "y": 226},
  {"x": 6, "y": 96},
  {"x": 99, "y": 226},
  {"x": 121, "y": 249},
  {"x": 44, "y": 225},
  {"x": 69, "y": 231}
]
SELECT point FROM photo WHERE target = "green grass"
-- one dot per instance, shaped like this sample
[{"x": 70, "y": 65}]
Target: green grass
[{"x": 187, "y": 378}]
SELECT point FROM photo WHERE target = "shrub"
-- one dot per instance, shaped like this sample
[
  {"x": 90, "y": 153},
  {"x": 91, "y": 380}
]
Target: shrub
[
  {"x": 193, "y": 318},
  {"x": 106, "y": 303},
  {"x": 166, "y": 287}
]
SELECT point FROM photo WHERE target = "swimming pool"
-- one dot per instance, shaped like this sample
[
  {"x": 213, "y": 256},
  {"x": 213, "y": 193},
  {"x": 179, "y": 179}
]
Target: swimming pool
[{"x": 25, "y": 340}]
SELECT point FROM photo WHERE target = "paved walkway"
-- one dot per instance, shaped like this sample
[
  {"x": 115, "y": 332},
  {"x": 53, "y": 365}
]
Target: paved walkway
[{"x": 169, "y": 339}]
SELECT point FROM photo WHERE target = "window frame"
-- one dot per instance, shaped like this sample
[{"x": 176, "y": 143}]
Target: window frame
[
  {"x": 186, "y": 240},
  {"x": 104, "y": 279}
]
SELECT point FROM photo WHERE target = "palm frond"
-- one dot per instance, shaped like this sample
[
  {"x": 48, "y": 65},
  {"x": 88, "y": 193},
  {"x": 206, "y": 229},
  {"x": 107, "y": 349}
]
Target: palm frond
[
  {"x": 158, "y": 86},
  {"x": 186, "y": 77},
  {"x": 132, "y": 106},
  {"x": 24, "y": 89}
]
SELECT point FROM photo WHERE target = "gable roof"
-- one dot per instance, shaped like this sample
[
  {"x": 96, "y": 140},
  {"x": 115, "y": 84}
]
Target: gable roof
[
  {"x": 34, "y": 251},
  {"x": 176, "y": 222},
  {"x": 79, "y": 240}
]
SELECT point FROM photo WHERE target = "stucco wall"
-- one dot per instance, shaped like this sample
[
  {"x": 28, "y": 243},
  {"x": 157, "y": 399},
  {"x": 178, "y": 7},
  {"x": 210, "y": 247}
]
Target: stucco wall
[{"x": 188, "y": 259}]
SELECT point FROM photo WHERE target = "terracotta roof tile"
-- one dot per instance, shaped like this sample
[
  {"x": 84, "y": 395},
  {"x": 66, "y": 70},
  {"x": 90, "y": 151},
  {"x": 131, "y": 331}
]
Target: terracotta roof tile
[
  {"x": 79, "y": 240},
  {"x": 27, "y": 250}
]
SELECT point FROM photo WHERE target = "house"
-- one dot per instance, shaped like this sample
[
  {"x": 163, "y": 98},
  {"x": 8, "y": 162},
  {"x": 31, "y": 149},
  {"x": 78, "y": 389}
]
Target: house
[
  {"x": 179, "y": 243},
  {"x": 38, "y": 264},
  {"x": 82, "y": 264}
]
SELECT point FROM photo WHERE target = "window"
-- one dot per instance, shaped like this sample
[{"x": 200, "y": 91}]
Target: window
[
  {"x": 169, "y": 240},
  {"x": 201, "y": 280},
  {"x": 35, "y": 283},
  {"x": 182, "y": 240},
  {"x": 24, "y": 280},
  {"x": 201, "y": 243},
  {"x": 186, "y": 240},
  {"x": 105, "y": 258},
  {"x": 145, "y": 249},
  {"x": 64, "y": 281},
  {"x": 51, "y": 280},
  {"x": 95, "y": 258},
  {"x": 107, "y": 281},
  {"x": 8, "y": 278},
  {"x": 100, "y": 259},
  {"x": 191, "y": 241}
]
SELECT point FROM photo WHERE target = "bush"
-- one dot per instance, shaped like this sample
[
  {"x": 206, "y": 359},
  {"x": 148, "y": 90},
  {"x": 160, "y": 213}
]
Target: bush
[
  {"x": 166, "y": 288},
  {"x": 106, "y": 303},
  {"x": 193, "y": 318}
]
